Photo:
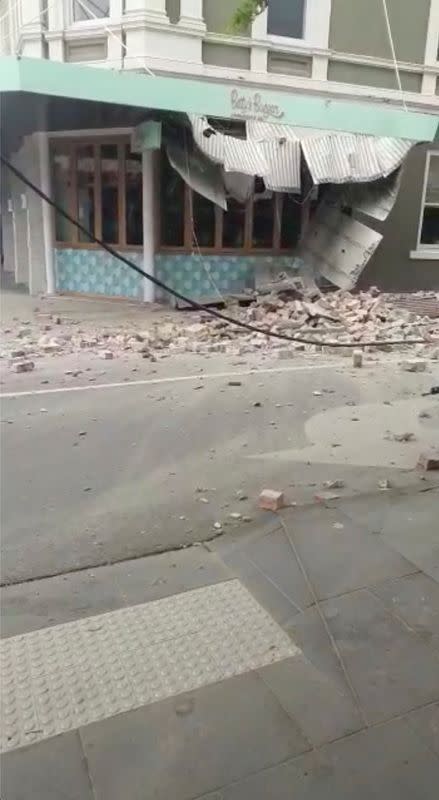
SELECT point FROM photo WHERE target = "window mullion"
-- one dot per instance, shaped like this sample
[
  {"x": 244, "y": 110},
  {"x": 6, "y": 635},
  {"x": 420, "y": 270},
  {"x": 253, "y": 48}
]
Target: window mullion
[
  {"x": 121, "y": 196},
  {"x": 248, "y": 230},
  {"x": 73, "y": 199},
  {"x": 277, "y": 223},
  {"x": 97, "y": 191}
]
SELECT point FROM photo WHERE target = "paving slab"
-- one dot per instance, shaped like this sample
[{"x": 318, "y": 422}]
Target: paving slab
[
  {"x": 323, "y": 710},
  {"x": 388, "y": 761},
  {"x": 425, "y": 721},
  {"x": 185, "y": 746},
  {"x": 64, "y": 598},
  {"x": 392, "y": 669},
  {"x": 59, "y": 678},
  {"x": 308, "y": 633},
  {"x": 267, "y": 567},
  {"x": 341, "y": 559},
  {"x": 411, "y": 528},
  {"x": 415, "y": 599},
  {"x": 55, "y": 770}
]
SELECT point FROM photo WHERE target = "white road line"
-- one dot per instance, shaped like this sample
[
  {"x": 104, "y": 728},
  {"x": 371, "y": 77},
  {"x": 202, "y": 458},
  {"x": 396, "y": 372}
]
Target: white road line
[{"x": 172, "y": 379}]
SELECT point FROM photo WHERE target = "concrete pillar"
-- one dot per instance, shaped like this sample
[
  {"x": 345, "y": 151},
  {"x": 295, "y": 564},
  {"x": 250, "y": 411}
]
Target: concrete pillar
[
  {"x": 153, "y": 8},
  {"x": 191, "y": 14},
  {"x": 259, "y": 50},
  {"x": 55, "y": 34},
  {"x": 48, "y": 226},
  {"x": 148, "y": 222},
  {"x": 31, "y": 30}
]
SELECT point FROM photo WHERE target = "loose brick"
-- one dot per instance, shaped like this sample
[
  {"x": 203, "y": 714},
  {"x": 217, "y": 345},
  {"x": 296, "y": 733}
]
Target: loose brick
[
  {"x": 270, "y": 500},
  {"x": 357, "y": 358},
  {"x": 107, "y": 355},
  {"x": 23, "y": 366},
  {"x": 413, "y": 365},
  {"x": 429, "y": 459}
]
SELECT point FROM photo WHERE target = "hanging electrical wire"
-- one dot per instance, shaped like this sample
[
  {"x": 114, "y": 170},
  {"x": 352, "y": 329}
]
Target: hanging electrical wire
[{"x": 188, "y": 300}]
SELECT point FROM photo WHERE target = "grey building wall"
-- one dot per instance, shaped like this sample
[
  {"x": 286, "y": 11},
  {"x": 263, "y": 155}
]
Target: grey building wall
[
  {"x": 225, "y": 55},
  {"x": 391, "y": 267},
  {"x": 364, "y": 75},
  {"x": 368, "y": 35}
]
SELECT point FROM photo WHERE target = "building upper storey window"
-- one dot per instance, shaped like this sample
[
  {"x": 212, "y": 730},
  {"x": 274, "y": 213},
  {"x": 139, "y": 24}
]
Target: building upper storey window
[
  {"x": 90, "y": 9},
  {"x": 429, "y": 222},
  {"x": 286, "y": 18}
]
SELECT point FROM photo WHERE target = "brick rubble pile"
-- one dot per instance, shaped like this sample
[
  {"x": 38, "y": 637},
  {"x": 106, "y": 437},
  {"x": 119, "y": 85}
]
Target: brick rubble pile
[{"x": 337, "y": 316}]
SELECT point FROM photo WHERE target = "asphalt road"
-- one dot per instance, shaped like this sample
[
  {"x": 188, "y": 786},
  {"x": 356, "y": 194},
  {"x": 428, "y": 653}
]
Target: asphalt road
[{"x": 97, "y": 476}]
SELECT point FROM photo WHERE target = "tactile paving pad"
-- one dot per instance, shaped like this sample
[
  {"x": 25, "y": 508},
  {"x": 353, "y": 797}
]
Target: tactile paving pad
[{"x": 59, "y": 678}]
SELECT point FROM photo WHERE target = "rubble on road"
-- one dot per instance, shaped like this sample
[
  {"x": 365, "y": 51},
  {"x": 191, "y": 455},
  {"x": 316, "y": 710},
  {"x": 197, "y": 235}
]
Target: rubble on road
[
  {"x": 338, "y": 317},
  {"x": 429, "y": 459},
  {"x": 271, "y": 500}
]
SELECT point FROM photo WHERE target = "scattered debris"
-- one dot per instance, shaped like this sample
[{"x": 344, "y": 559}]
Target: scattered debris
[
  {"x": 257, "y": 404},
  {"x": 325, "y": 497},
  {"x": 429, "y": 459},
  {"x": 316, "y": 393},
  {"x": 357, "y": 358},
  {"x": 234, "y": 383},
  {"x": 247, "y": 519},
  {"x": 218, "y": 526},
  {"x": 400, "y": 437},
  {"x": 424, "y": 415},
  {"x": 17, "y": 353},
  {"x": 107, "y": 355},
  {"x": 271, "y": 500},
  {"x": 235, "y": 515},
  {"x": 337, "y": 484},
  {"x": 413, "y": 365},
  {"x": 204, "y": 500},
  {"x": 384, "y": 484},
  {"x": 338, "y": 526},
  {"x": 23, "y": 366}
]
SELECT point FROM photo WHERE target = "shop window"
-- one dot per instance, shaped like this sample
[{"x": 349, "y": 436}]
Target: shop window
[
  {"x": 90, "y": 9},
  {"x": 286, "y": 18},
  {"x": 100, "y": 184},
  {"x": 172, "y": 205},
  {"x": 133, "y": 202},
  {"x": 429, "y": 224},
  {"x": 269, "y": 221}
]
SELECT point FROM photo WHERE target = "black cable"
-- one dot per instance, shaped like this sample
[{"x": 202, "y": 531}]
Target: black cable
[{"x": 193, "y": 303}]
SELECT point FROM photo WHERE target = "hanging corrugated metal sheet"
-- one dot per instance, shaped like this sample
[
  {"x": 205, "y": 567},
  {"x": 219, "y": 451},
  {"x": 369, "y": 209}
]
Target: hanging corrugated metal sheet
[
  {"x": 199, "y": 173},
  {"x": 354, "y": 159},
  {"x": 212, "y": 145},
  {"x": 337, "y": 246},
  {"x": 240, "y": 155},
  {"x": 283, "y": 159},
  {"x": 265, "y": 131}
]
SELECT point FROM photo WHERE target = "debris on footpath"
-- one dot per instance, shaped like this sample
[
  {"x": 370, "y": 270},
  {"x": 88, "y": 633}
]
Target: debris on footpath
[
  {"x": 357, "y": 358},
  {"x": 338, "y": 316},
  {"x": 384, "y": 484},
  {"x": 413, "y": 365},
  {"x": 406, "y": 436},
  {"x": 23, "y": 366},
  {"x": 271, "y": 500},
  {"x": 429, "y": 459}
]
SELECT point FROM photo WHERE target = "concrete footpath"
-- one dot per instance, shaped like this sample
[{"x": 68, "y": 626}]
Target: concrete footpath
[{"x": 295, "y": 658}]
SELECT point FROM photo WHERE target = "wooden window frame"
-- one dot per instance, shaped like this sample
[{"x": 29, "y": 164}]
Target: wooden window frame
[
  {"x": 422, "y": 249},
  {"x": 72, "y": 145},
  {"x": 189, "y": 247}
]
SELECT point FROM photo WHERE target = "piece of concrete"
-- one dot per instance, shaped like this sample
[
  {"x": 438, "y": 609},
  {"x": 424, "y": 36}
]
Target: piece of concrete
[
  {"x": 107, "y": 355},
  {"x": 23, "y": 366},
  {"x": 357, "y": 358},
  {"x": 429, "y": 459},
  {"x": 414, "y": 365},
  {"x": 271, "y": 500}
]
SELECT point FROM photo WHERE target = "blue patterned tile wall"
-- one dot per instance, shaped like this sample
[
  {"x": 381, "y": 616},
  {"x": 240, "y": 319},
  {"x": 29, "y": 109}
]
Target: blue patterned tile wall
[
  {"x": 97, "y": 272},
  {"x": 197, "y": 275}
]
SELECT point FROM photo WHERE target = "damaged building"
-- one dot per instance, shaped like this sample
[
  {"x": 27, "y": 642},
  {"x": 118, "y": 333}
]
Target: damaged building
[{"x": 214, "y": 180}]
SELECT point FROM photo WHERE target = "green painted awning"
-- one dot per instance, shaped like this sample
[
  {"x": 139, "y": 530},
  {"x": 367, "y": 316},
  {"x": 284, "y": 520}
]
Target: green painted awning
[{"x": 202, "y": 97}]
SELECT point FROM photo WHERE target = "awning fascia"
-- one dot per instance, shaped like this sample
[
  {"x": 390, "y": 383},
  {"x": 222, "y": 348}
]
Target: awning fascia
[{"x": 190, "y": 96}]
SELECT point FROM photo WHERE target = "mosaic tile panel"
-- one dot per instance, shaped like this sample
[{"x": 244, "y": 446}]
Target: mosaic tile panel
[{"x": 97, "y": 272}]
